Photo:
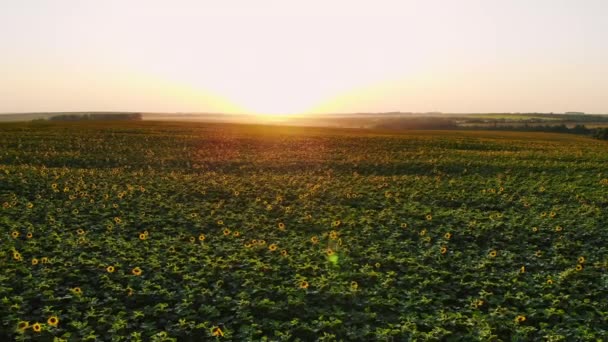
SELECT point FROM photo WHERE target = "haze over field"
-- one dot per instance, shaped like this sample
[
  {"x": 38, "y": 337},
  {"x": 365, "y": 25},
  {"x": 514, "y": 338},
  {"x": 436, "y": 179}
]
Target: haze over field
[{"x": 268, "y": 57}]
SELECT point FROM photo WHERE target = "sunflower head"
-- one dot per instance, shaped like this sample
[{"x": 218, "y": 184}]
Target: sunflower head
[
  {"x": 53, "y": 321},
  {"x": 217, "y": 331},
  {"x": 520, "y": 319},
  {"x": 23, "y": 325},
  {"x": 303, "y": 284},
  {"x": 136, "y": 271},
  {"x": 110, "y": 269}
]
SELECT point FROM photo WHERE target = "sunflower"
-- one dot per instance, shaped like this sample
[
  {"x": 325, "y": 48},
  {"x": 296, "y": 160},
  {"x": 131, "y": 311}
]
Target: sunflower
[
  {"x": 447, "y": 235},
  {"x": 522, "y": 269},
  {"x": 130, "y": 291},
  {"x": 227, "y": 232},
  {"x": 142, "y": 236},
  {"x": 220, "y": 222},
  {"x": 520, "y": 319},
  {"x": 535, "y": 229},
  {"x": 333, "y": 235},
  {"x": 422, "y": 232},
  {"x": 281, "y": 226},
  {"x": 479, "y": 302},
  {"x": 284, "y": 252},
  {"x": 118, "y": 220},
  {"x": 80, "y": 231},
  {"x": 192, "y": 239},
  {"x": 15, "y": 234},
  {"x": 247, "y": 245},
  {"x": 37, "y": 327},
  {"x": 44, "y": 260},
  {"x": 23, "y": 325},
  {"x": 217, "y": 332},
  {"x": 581, "y": 260},
  {"x": 136, "y": 271},
  {"x": 429, "y": 217},
  {"x": 273, "y": 247},
  {"x": 444, "y": 250},
  {"x": 29, "y": 235},
  {"x": 303, "y": 284},
  {"x": 53, "y": 321},
  {"x": 493, "y": 254},
  {"x": 579, "y": 267},
  {"x": 354, "y": 286},
  {"x": 404, "y": 225},
  {"x": 558, "y": 228},
  {"x": 201, "y": 237},
  {"x": 329, "y": 252},
  {"x": 538, "y": 253},
  {"x": 236, "y": 234},
  {"x": 314, "y": 240},
  {"x": 17, "y": 256},
  {"x": 34, "y": 261},
  {"x": 549, "y": 281},
  {"x": 30, "y": 205},
  {"x": 543, "y": 214},
  {"x": 377, "y": 265},
  {"x": 336, "y": 223},
  {"x": 77, "y": 290},
  {"x": 552, "y": 214},
  {"x": 110, "y": 269},
  {"x": 261, "y": 242}
]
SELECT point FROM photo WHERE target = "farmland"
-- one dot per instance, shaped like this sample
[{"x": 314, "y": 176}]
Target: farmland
[{"x": 188, "y": 232}]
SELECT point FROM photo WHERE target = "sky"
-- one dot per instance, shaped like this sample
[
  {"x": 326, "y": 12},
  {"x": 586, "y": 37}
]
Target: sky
[{"x": 313, "y": 56}]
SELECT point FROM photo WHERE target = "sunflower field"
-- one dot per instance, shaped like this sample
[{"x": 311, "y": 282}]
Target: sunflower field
[{"x": 149, "y": 231}]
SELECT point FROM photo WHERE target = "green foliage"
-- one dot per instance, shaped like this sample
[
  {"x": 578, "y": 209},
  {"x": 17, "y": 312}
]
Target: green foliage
[{"x": 284, "y": 234}]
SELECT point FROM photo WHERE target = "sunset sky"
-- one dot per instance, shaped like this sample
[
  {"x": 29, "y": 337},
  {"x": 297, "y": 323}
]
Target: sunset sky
[{"x": 308, "y": 56}]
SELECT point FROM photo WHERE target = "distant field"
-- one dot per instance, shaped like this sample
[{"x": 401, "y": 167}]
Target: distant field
[{"x": 160, "y": 231}]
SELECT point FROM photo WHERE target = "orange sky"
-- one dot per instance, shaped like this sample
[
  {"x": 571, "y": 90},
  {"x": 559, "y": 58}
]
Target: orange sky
[{"x": 304, "y": 56}]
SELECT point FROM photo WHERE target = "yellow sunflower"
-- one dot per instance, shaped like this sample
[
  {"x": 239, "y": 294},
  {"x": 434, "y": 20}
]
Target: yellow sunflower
[{"x": 53, "y": 321}]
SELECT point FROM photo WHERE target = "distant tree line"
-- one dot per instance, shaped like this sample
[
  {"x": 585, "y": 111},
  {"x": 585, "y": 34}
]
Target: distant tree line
[
  {"x": 417, "y": 123},
  {"x": 98, "y": 117},
  {"x": 601, "y": 133},
  {"x": 449, "y": 124}
]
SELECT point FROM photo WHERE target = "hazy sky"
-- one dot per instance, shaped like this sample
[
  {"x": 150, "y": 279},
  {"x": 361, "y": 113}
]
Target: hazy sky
[{"x": 284, "y": 56}]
